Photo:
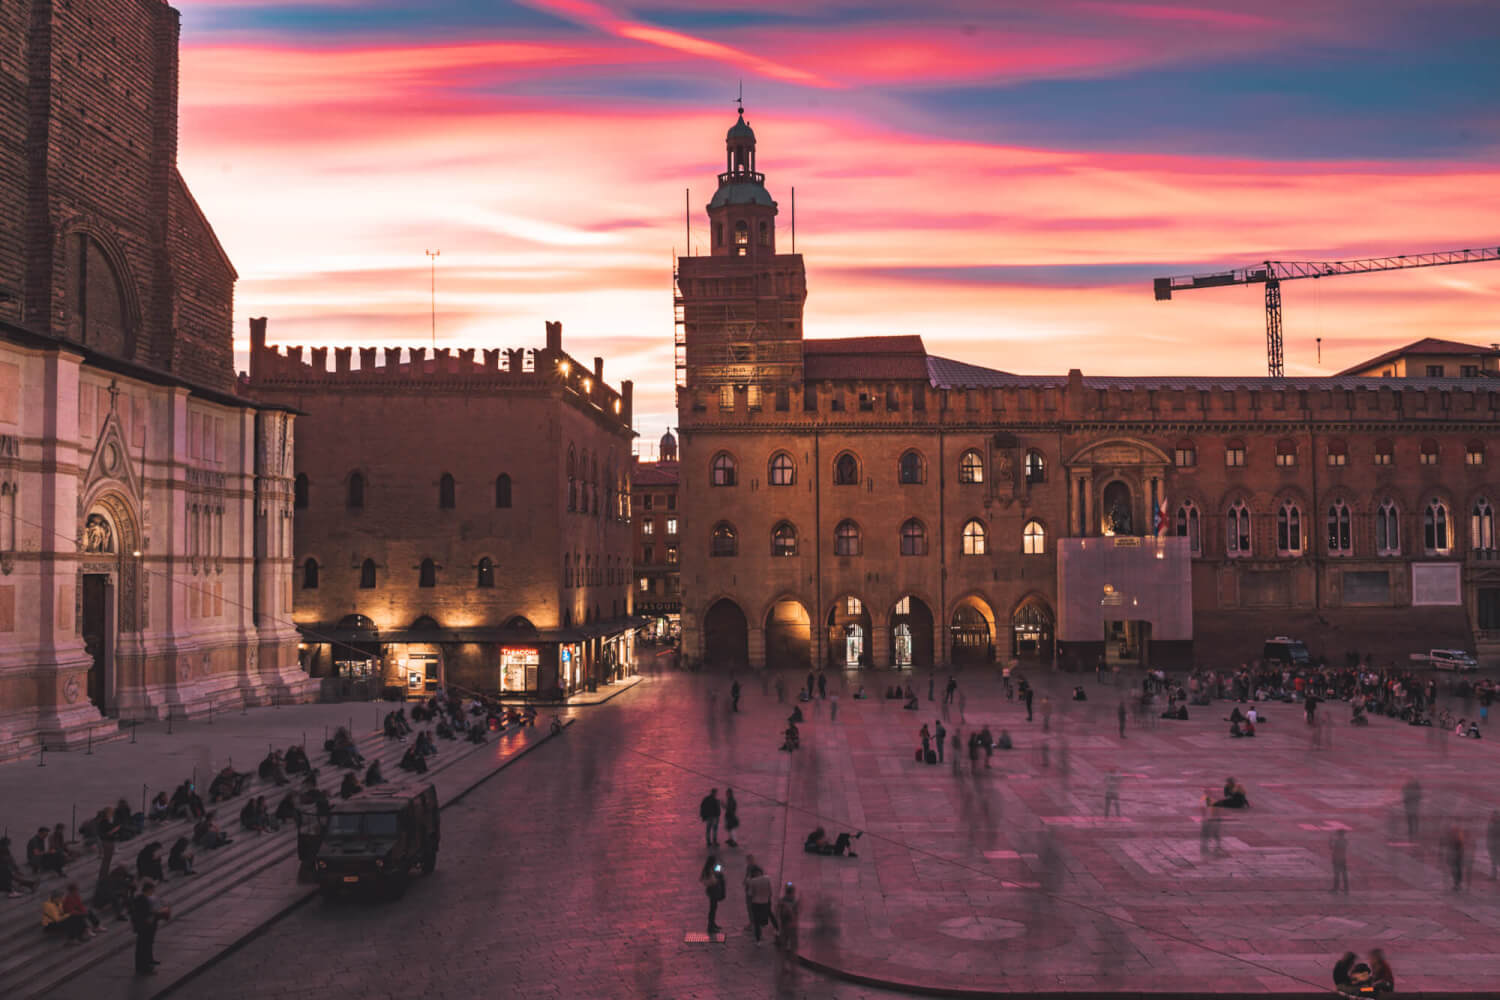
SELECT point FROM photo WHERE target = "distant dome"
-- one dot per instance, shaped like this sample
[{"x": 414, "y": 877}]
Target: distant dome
[
  {"x": 740, "y": 131},
  {"x": 668, "y": 447}
]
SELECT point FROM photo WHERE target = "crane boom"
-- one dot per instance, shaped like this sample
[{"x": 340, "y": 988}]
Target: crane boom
[{"x": 1272, "y": 273}]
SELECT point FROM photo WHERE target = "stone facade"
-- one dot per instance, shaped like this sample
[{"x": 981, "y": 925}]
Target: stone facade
[
  {"x": 878, "y": 505},
  {"x": 658, "y": 540},
  {"x": 146, "y": 508},
  {"x": 461, "y": 519}
]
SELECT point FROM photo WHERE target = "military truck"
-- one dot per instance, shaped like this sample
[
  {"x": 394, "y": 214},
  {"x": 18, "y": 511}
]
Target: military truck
[{"x": 374, "y": 840}]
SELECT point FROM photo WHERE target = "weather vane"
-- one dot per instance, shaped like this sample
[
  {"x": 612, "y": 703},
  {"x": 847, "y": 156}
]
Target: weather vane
[{"x": 740, "y": 100}]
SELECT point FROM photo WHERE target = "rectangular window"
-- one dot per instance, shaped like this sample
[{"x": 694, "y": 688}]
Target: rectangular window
[
  {"x": 646, "y": 501},
  {"x": 671, "y": 501},
  {"x": 648, "y": 528},
  {"x": 645, "y": 584},
  {"x": 1434, "y": 371},
  {"x": 1474, "y": 456},
  {"x": 752, "y": 397},
  {"x": 671, "y": 555},
  {"x": 1429, "y": 458},
  {"x": 671, "y": 525},
  {"x": 726, "y": 397},
  {"x": 1336, "y": 458},
  {"x": 918, "y": 398},
  {"x": 648, "y": 554},
  {"x": 1234, "y": 458},
  {"x": 1185, "y": 458},
  {"x": 866, "y": 402},
  {"x": 1286, "y": 459},
  {"x": 1468, "y": 371},
  {"x": 853, "y": 606},
  {"x": 892, "y": 399},
  {"x": 810, "y": 400},
  {"x": 783, "y": 400},
  {"x": 836, "y": 404},
  {"x": 1382, "y": 458}
]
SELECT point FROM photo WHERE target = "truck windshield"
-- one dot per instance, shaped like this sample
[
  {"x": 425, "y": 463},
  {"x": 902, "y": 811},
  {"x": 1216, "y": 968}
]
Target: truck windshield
[{"x": 362, "y": 824}]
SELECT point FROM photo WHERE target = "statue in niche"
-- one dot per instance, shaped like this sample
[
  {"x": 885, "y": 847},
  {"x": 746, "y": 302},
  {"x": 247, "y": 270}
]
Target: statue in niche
[
  {"x": 97, "y": 535},
  {"x": 1002, "y": 467},
  {"x": 1117, "y": 519}
]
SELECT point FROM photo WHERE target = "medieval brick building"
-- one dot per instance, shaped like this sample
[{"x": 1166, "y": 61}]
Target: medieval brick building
[
  {"x": 145, "y": 509},
  {"x": 460, "y": 520},
  {"x": 865, "y": 503},
  {"x": 658, "y": 540}
]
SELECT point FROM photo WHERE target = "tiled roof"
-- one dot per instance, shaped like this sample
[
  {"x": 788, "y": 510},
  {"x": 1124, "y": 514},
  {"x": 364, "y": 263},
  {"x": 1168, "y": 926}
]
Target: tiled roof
[
  {"x": 874, "y": 358},
  {"x": 1427, "y": 345},
  {"x": 945, "y": 373},
  {"x": 654, "y": 474}
]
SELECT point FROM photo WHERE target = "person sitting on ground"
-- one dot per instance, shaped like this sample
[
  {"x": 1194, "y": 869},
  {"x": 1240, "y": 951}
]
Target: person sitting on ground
[
  {"x": 1381, "y": 976},
  {"x": 296, "y": 760},
  {"x": 1234, "y": 796},
  {"x": 57, "y": 843},
  {"x": 130, "y": 823},
  {"x": 1341, "y": 970},
  {"x": 226, "y": 785},
  {"x": 39, "y": 858},
  {"x": 792, "y": 739},
  {"x": 273, "y": 768},
  {"x": 160, "y": 810},
  {"x": 1235, "y": 716},
  {"x": 11, "y": 877},
  {"x": 351, "y": 786},
  {"x": 817, "y": 843},
  {"x": 112, "y": 894},
  {"x": 528, "y": 716},
  {"x": 391, "y": 729},
  {"x": 425, "y": 744},
  {"x": 1473, "y": 732},
  {"x": 251, "y": 818},
  {"x": 512, "y": 716},
  {"x": 413, "y": 761},
  {"x": 445, "y": 731},
  {"x": 1004, "y": 743},
  {"x": 912, "y": 704},
  {"x": 796, "y": 715},
  {"x": 74, "y": 906},
  {"x": 207, "y": 833},
  {"x": 475, "y": 734},
  {"x": 373, "y": 776},
  {"x": 1079, "y": 694},
  {"x": 860, "y": 694},
  {"x": 180, "y": 857},
  {"x": 55, "y": 922},
  {"x": 344, "y": 753},
  {"x": 287, "y": 810},
  {"x": 148, "y": 863}
]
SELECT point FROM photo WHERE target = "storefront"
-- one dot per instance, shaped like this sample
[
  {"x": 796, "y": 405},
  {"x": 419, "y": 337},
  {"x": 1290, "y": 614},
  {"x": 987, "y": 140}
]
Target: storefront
[{"x": 663, "y": 620}]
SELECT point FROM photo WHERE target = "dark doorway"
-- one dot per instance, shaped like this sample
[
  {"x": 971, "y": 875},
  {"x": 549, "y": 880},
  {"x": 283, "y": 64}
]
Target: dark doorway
[
  {"x": 726, "y": 636},
  {"x": 911, "y": 635},
  {"x": 96, "y": 638},
  {"x": 973, "y": 637}
]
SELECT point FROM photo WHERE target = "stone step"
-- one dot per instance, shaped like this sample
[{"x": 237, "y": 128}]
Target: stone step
[{"x": 34, "y": 965}]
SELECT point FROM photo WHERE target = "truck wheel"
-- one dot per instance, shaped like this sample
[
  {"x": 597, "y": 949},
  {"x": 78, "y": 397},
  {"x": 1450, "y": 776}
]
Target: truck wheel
[
  {"x": 429, "y": 862},
  {"x": 396, "y": 885}
]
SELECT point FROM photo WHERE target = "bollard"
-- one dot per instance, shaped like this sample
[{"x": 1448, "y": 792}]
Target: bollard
[
  {"x": 41, "y": 760},
  {"x": 169, "y": 720},
  {"x": 210, "y": 712},
  {"x": 74, "y": 834},
  {"x": 133, "y": 724},
  {"x": 90, "y": 751},
  {"x": 143, "y": 800}
]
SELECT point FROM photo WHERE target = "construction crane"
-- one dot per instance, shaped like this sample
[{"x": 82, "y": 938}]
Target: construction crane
[{"x": 1272, "y": 273}]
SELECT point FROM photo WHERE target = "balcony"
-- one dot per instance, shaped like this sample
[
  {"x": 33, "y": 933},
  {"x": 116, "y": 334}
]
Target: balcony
[{"x": 742, "y": 177}]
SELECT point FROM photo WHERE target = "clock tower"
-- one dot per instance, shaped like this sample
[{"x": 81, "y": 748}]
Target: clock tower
[{"x": 739, "y": 309}]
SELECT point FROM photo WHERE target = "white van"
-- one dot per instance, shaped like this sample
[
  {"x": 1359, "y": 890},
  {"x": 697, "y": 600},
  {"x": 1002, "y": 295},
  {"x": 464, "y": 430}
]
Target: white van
[{"x": 1452, "y": 659}]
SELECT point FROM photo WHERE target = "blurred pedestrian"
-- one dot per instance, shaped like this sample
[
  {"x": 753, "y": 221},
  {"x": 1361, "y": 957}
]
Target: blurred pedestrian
[
  {"x": 1046, "y": 714},
  {"x": 1026, "y": 695},
  {"x": 734, "y": 696},
  {"x": 931, "y": 685},
  {"x": 939, "y": 735},
  {"x": 950, "y": 690},
  {"x": 712, "y": 879},
  {"x": 833, "y": 708},
  {"x": 709, "y": 811},
  {"x": 1453, "y": 851},
  {"x": 780, "y": 689},
  {"x": 750, "y": 869},
  {"x": 963, "y": 705},
  {"x": 787, "y": 909},
  {"x": 758, "y": 897},
  {"x": 731, "y": 815},
  {"x": 1339, "y": 846},
  {"x": 1411, "y": 799},
  {"x": 1111, "y": 791},
  {"x": 822, "y": 684}
]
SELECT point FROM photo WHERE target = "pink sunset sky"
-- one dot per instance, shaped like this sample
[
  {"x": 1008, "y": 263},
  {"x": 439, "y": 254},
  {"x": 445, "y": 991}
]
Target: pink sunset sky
[{"x": 1001, "y": 178}]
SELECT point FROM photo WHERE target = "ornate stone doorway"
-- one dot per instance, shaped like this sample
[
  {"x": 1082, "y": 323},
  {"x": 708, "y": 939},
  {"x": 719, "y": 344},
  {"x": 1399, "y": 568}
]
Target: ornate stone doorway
[{"x": 96, "y": 623}]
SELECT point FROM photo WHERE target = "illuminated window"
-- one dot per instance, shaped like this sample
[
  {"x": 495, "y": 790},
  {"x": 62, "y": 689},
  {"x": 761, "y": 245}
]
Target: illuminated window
[
  {"x": 903, "y": 606},
  {"x": 1340, "y": 538},
  {"x": 1036, "y": 467},
  {"x": 648, "y": 528},
  {"x": 1033, "y": 539},
  {"x": 974, "y": 538},
  {"x": 671, "y": 555},
  {"x": 1435, "y": 535},
  {"x": 1474, "y": 453},
  {"x": 722, "y": 470},
  {"x": 1482, "y": 526},
  {"x": 1429, "y": 454},
  {"x": 783, "y": 471},
  {"x": 1286, "y": 453},
  {"x": 724, "y": 541},
  {"x": 1185, "y": 455},
  {"x": 853, "y": 606},
  {"x": 671, "y": 525},
  {"x": 1384, "y": 453},
  {"x": 741, "y": 234},
  {"x": 1338, "y": 454},
  {"x": 971, "y": 467},
  {"x": 1289, "y": 529},
  {"x": 784, "y": 540},
  {"x": 1234, "y": 454}
]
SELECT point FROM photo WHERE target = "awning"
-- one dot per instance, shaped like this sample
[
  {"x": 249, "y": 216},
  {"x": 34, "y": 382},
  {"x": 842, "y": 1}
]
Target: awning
[
  {"x": 581, "y": 633},
  {"x": 1229, "y": 638}
]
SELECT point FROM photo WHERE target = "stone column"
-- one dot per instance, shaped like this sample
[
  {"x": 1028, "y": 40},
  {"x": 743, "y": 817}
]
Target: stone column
[
  {"x": 880, "y": 648},
  {"x": 755, "y": 646}
]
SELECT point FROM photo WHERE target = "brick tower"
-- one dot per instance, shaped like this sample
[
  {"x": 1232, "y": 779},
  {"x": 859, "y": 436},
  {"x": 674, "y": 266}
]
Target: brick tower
[{"x": 739, "y": 309}]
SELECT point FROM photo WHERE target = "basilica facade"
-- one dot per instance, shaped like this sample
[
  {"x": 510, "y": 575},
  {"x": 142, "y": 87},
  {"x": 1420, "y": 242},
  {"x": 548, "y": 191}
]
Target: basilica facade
[
  {"x": 145, "y": 505},
  {"x": 863, "y": 502}
]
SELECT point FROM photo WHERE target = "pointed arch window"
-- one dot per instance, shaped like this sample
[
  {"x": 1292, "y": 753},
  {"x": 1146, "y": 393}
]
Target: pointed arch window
[
  {"x": 300, "y": 491},
  {"x": 846, "y": 470},
  {"x": 356, "y": 495},
  {"x": 502, "y": 490},
  {"x": 1289, "y": 529},
  {"x": 783, "y": 471},
  {"x": 1237, "y": 530},
  {"x": 1189, "y": 525},
  {"x": 1033, "y": 539},
  {"x": 427, "y": 574},
  {"x": 784, "y": 540},
  {"x": 1482, "y": 526},
  {"x": 446, "y": 491},
  {"x": 1036, "y": 467},
  {"x": 741, "y": 233},
  {"x": 367, "y": 575},
  {"x": 909, "y": 469},
  {"x": 846, "y": 539},
  {"x": 1429, "y": 453},
  {"x": 722, "y": 469},
  {"x": 1340, "y": 536},
  {"x": 913, "y": 538},
  {"x": 724, "y": 541},
  {"x": 486, "y": 573},
  {"x": 310, "y": 575},
  {"x": 971, "y": 467},
  {"x": 975, "y": 538},
  {"x": 1388, "y": 528},
  {"x": 1385, "y": 453},
  {"x": 1436, "y": 537},
  {"x": 1286, "y": 453}
]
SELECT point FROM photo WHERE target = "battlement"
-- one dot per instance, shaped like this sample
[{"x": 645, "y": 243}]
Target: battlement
[{"x": 490, "y": 369}]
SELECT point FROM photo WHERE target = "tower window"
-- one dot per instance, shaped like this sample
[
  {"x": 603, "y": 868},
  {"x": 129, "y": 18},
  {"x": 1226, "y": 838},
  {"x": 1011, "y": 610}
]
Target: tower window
[
  {"x": 741, "y": 234},
  {"x": 765, "y": 235}
]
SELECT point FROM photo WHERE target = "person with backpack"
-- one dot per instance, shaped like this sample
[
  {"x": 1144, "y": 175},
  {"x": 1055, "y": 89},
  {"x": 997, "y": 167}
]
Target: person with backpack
[{"x": 709, "y": 811}]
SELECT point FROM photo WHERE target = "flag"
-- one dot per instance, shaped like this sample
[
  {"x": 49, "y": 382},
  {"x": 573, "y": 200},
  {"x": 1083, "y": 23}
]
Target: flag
[{"x": 1159, "y": 518}]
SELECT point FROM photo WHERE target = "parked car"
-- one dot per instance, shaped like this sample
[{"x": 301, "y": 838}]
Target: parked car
[
  {"x": 1456, "y": 660},
  {"x": 1286, "y": 651}
]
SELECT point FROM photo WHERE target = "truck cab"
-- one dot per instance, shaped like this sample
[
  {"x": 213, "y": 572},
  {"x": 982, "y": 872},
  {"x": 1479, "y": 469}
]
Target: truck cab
[
  {"x": 374, "y": 840},
  {"x": 1286, "y": 652}
]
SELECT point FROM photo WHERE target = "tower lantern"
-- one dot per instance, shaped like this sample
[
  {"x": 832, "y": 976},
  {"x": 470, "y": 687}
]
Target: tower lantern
[{"x": 742, "y": 214}]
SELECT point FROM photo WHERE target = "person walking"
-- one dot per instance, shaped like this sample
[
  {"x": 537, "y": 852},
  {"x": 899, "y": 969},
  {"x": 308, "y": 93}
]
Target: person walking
[
  {"x": 1046, "y": 714},
  {"x": 950, "y": 690},
  {"x": 712, "y": 878},
  {"x": 939, "y": 735},
  {"x": 758, "y": 898},
  {"x": 1120, "y": 714},
  {"x": 780, "y": 690},
  {"x": 146, "y": 913},
  {"x": 822, "y": 684},
  {"x": 787, "y": 909},
  {"x": 963, "y": 705},
  {"x": 709, "y": 811},
  {"x": 1411, "y": 798},
  {"x": 1453, "y": 849},
  {"x": 1111, "y": 791},
  {"x": 811, "y": 680},
  {"x": 751, "y": 867},
  {"x": 731, "y": 815},
  {"x": 734, "y": 696},
  {"x": 1339, "y": 846},
  {"x": 1026, "y": 696},
  {"x": 833, "y": 708}
]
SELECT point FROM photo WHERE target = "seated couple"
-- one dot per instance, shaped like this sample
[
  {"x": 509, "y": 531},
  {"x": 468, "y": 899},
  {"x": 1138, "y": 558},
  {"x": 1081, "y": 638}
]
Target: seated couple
[
  {"x": 792, "y": 739},
  {"x": 1350, "y": 974},
  {"x": 1234, "y": 796},
  {"x": 817, "y": 843}
]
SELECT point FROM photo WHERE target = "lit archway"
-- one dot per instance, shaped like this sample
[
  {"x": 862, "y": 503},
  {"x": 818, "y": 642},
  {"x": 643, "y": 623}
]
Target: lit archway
[
  {"x": 972, "y": 632},
  {"x": 849, "y": 630},
  {"x": 788, "y": 635},
  {"x": 1032, "y": 630},
  {"x": 911, "y": 634}
]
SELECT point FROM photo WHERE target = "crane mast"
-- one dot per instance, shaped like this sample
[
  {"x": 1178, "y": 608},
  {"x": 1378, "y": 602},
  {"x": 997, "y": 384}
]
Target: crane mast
[{"x": 1272, "y": 273}]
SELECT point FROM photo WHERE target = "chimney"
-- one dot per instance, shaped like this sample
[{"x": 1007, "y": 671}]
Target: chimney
[
  {"x": 599, "y": 370},
  {"x": 257, "y": 344},
  {"x": 627, "y": 389},
  {"x": 554, "y": 337}
]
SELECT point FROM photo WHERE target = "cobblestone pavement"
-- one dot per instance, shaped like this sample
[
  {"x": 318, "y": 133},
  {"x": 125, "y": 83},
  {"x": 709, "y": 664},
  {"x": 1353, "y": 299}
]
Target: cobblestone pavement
[{"x": 574, "y": 873}]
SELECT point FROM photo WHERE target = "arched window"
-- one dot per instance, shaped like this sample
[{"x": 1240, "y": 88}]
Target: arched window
[
  {"x": 909, "y": 469},
  {"x": 1286, "y": 453},
  {"x": 427, "y": 575},
  {"x": 1474, "y": 453},
  {"x": 783, "y": 471},
  {"x": 1340, "y": 538},
  {"x": 1435, "y": 536},
  {"x": 1388, "y": 528},
  {"x": 299, "y": 491},
  {"x": 1033, "y": 539},
  {"x": 846, "y": 470},
  {"x": 784, "y": 540},
  {"x": 446, "y": 499},
  {"x": 971, "y": 467},
  {"x": 741, "y": 234},
  {"x": 486, "y": 573},
  {"x": 975, "y": 538},
  {"x": 1237, "y": 529},
  {"x": 1429, "y": 453},
  {"x": 502, "y": 490},
  {"x": 846, "y": 539},
  {"x": 367, "y": 575},
  {"x": 913, "y": 538},
  {"x": 1189, "y": 525},
  {"x": 1289, "y": 529},
  {"x": 721, "y": 471},
  {"x": 1482, "y": 526},
  {"x": 1385, "y": 453},
  {"x": 356, "y": 496},
  {"x": 1338, "y": 454},
  {"x": 310, "y": 575},
  {"x": 1036, "y": 467},
  {"x": 1185, "y": 455},
  {"x": 724, "y": 542}
]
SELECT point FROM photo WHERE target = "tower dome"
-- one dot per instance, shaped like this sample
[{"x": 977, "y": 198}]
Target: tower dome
[
  {"x": 668, "y": 448},
  {"x": 740, "y": 131}
]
